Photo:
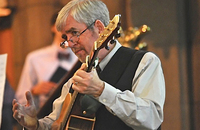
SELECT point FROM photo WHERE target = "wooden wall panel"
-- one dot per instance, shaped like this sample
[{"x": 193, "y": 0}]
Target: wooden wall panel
[
  {"x": 163, "y": 40},
  {"x": 196, "y": 79},
  {"x": 31, "y": 29},
  {"x": 193, "y": 45}
]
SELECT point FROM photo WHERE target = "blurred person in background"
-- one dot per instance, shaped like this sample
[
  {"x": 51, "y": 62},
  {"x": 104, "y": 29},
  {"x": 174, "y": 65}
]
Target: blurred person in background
[{"x": 43, "y": 68}]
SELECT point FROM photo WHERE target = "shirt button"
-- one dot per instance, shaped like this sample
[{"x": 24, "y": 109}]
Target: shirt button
[{"x": 104, "y": 100}]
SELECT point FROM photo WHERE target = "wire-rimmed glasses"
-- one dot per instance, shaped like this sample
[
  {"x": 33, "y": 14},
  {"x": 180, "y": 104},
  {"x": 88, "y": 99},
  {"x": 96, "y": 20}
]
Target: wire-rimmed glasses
[{"x": 75, "y": 36}]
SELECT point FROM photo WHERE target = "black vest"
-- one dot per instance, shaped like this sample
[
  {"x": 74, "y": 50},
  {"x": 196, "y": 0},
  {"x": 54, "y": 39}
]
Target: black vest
[{"x": 119, "y": 72}]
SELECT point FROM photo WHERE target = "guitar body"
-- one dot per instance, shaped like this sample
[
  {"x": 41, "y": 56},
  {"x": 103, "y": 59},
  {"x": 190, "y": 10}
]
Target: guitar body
[
  {"x": 57, "y": 125},
  {"x": 77, "y": 119}
]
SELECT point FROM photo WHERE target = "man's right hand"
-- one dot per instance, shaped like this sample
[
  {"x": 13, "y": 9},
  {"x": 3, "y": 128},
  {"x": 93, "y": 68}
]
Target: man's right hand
[{"x": 26, "y": 115}]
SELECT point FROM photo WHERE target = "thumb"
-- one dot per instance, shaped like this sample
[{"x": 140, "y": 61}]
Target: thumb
[
  {"x": 29, "y": 98},
  {"x": 83, "y": 66}
]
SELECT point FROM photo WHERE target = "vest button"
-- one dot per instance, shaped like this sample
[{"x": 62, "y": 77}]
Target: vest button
[{"x": 84, "y": 112}]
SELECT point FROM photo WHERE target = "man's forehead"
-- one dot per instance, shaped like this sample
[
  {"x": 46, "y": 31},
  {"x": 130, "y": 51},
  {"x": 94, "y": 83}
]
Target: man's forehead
[{"x": 70, "y": 25}]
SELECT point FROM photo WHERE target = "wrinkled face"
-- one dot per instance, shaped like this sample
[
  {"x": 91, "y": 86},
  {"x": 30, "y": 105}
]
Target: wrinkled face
[{"x": 83, "y": 44}]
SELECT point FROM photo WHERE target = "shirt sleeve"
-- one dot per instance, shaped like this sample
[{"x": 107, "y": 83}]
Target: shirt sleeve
[
  {"x": 141, "y": 108},
  {"x": 46, "y": 122}
]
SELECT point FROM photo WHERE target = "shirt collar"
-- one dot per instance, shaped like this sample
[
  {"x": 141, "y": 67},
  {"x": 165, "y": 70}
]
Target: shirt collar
[{"x": 105, "y": 61}]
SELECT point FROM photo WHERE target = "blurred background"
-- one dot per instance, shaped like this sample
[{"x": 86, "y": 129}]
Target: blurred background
[{"x": 174, "y": 36}]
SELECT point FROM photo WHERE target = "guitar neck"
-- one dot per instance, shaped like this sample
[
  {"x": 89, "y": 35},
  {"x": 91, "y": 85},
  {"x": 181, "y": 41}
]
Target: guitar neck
[{"x": 91, "y": 62}]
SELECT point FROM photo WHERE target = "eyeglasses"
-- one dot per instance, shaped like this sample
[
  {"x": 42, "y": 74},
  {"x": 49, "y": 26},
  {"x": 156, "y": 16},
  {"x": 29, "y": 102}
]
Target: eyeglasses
[{"x": 75, "y": 35}]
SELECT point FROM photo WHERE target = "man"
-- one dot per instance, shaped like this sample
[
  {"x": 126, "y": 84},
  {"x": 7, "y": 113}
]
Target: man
[
  {"x": 132, "y": 96},
  {"x": 41, "y": 69}
]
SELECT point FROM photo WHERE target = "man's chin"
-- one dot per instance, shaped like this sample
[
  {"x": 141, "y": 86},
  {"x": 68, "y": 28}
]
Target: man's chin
[{"x": 82, "y": 59}]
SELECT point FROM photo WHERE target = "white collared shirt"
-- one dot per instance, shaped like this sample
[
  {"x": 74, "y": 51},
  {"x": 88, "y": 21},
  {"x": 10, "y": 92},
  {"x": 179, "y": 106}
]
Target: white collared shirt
[{"x": 141, "y": 108}]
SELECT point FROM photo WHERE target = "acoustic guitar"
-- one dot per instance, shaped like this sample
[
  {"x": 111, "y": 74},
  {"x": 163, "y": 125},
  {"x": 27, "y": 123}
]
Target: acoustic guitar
[{"x": 72, "y": 117}]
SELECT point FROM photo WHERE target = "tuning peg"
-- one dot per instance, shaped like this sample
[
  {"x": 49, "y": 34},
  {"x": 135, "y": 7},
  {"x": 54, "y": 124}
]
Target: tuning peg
[
  {"x": 112, "y": 41},
  {"x": 117, "y": 35},
  {"x": 107, "y": 47}
]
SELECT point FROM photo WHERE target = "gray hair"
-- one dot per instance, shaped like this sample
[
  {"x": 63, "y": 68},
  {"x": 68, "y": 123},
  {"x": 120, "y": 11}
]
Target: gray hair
[{"x": 83, "y": 11}]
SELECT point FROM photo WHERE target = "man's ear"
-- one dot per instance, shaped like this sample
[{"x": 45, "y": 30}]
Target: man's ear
[{"x": 99, "y": 26}]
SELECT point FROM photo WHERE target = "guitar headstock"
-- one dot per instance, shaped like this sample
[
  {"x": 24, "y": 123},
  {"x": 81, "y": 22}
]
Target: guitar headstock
[{"x": 108, "y": 34}]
